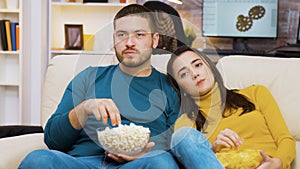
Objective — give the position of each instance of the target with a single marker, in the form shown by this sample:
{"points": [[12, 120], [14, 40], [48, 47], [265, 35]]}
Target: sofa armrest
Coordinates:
{"points": [[296, 162], [14, 149], [16, 130]]}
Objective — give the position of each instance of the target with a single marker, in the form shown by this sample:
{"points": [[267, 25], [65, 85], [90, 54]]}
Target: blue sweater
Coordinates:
{"points": [[147, 101]]}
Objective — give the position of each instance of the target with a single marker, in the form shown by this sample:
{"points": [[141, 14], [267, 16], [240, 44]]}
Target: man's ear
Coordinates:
{"points": [[114, 40], [155, 40]]}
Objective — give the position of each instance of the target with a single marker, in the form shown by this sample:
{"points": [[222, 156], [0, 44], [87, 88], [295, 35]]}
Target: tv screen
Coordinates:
{"points": [[240, 18]]}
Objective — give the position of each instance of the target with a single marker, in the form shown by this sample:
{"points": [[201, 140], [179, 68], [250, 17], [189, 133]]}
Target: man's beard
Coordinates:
{"points": [[137, 52]]}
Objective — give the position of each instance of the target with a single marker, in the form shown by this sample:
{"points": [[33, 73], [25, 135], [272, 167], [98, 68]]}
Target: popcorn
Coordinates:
{"points": [[124, 139]]}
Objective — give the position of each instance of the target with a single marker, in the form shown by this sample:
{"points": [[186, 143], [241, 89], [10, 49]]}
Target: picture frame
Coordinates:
{"points": [[74, 36]]}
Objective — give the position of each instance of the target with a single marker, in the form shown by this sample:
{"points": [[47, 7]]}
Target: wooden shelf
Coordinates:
{"points": [[9, 84], [9, 52], [58, 52], [9, 10], [88, 4], [96, 19], [11, 73]]}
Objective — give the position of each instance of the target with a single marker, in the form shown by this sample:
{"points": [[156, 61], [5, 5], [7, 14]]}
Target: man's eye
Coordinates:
{"points": [[120, 35], [140, 35]]}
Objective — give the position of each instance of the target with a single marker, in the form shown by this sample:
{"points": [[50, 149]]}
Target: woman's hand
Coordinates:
{"points": [[269, 163], [121, 158], [226, 138]]}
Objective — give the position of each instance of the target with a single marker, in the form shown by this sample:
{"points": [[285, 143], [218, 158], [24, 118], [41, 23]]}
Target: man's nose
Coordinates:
{"points": [[130, 41]]}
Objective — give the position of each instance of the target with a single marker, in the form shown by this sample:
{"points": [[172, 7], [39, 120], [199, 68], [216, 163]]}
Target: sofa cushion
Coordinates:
{"points": [[14, 149], [279, 75], [63, 68]]}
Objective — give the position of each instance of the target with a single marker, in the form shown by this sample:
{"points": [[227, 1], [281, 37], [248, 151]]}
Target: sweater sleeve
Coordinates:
{"points": [[174, 110], [184, 121], [59, 133], [286, 144]]}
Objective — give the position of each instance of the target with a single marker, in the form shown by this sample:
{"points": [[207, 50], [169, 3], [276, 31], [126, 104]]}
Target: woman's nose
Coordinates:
{"points": [[195, 75]]}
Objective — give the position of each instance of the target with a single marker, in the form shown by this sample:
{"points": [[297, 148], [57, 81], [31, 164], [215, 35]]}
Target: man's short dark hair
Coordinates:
{"points": [[137, 10]]}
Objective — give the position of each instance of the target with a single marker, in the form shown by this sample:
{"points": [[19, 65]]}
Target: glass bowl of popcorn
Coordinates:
{"points": [[125, 139]]}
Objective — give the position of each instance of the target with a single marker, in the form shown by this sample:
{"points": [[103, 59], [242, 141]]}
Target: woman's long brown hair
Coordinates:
{"points": [[230, 99]]}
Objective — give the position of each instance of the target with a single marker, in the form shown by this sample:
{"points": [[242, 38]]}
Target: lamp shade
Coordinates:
{"points": [[176, 1]]}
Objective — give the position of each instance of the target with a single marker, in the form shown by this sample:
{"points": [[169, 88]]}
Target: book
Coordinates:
{"points": [[17, 37], [8, 35], [13, 26], [3, 35]]}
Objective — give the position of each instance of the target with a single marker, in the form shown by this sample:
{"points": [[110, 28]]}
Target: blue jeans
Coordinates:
{"points": [[192, 150], [52, 159]]}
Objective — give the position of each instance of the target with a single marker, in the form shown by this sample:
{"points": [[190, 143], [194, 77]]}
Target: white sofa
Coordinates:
{"points": [[279, 75]]}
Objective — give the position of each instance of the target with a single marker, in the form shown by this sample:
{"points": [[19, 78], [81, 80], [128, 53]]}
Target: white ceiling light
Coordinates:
{"points": [[176, 1]]}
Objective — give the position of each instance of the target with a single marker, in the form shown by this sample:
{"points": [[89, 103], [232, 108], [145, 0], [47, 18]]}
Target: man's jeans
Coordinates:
{"points": [[52, 159], [193, 151]]}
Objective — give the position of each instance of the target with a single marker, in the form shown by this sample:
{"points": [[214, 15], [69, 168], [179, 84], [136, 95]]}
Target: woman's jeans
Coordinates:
{"points": [[52, 159], [193, 151]]}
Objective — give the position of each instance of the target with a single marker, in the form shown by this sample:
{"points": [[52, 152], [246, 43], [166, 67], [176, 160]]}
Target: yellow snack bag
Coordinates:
{"points": [[240, 159]]}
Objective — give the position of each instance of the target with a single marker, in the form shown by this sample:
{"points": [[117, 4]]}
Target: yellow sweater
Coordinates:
{"points": [[263, 128]]}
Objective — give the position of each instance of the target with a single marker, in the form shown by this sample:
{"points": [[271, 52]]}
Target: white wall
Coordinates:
{"points": [[35, 58]]}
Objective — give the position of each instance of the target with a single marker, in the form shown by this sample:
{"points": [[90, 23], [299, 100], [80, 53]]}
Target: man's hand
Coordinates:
{"points": [[269, 163], [226, 138], [121, 158], [102, 109]]}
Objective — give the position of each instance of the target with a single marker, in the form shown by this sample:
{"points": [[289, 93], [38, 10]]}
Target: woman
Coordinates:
{"points": [[230, 119]]}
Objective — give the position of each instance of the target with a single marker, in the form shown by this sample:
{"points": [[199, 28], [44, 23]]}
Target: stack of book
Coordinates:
{"points": [[9, 35]]}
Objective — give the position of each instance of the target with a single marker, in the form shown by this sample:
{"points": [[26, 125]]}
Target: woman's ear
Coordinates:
{"points": [[155, 40]]}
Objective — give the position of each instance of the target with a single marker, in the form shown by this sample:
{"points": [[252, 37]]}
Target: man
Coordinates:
{"points": [[132, 91]]}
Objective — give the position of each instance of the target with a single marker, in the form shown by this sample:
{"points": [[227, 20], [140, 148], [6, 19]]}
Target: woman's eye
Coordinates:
{"points": [[184, 74], [198, 64]]}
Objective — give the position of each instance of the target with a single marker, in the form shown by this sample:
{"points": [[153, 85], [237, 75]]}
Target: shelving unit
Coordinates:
{"points": [[11, 73], [96, 19]]}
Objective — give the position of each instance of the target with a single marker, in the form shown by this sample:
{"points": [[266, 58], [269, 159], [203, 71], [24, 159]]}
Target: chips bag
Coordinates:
{"points": [[240, 159]]}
